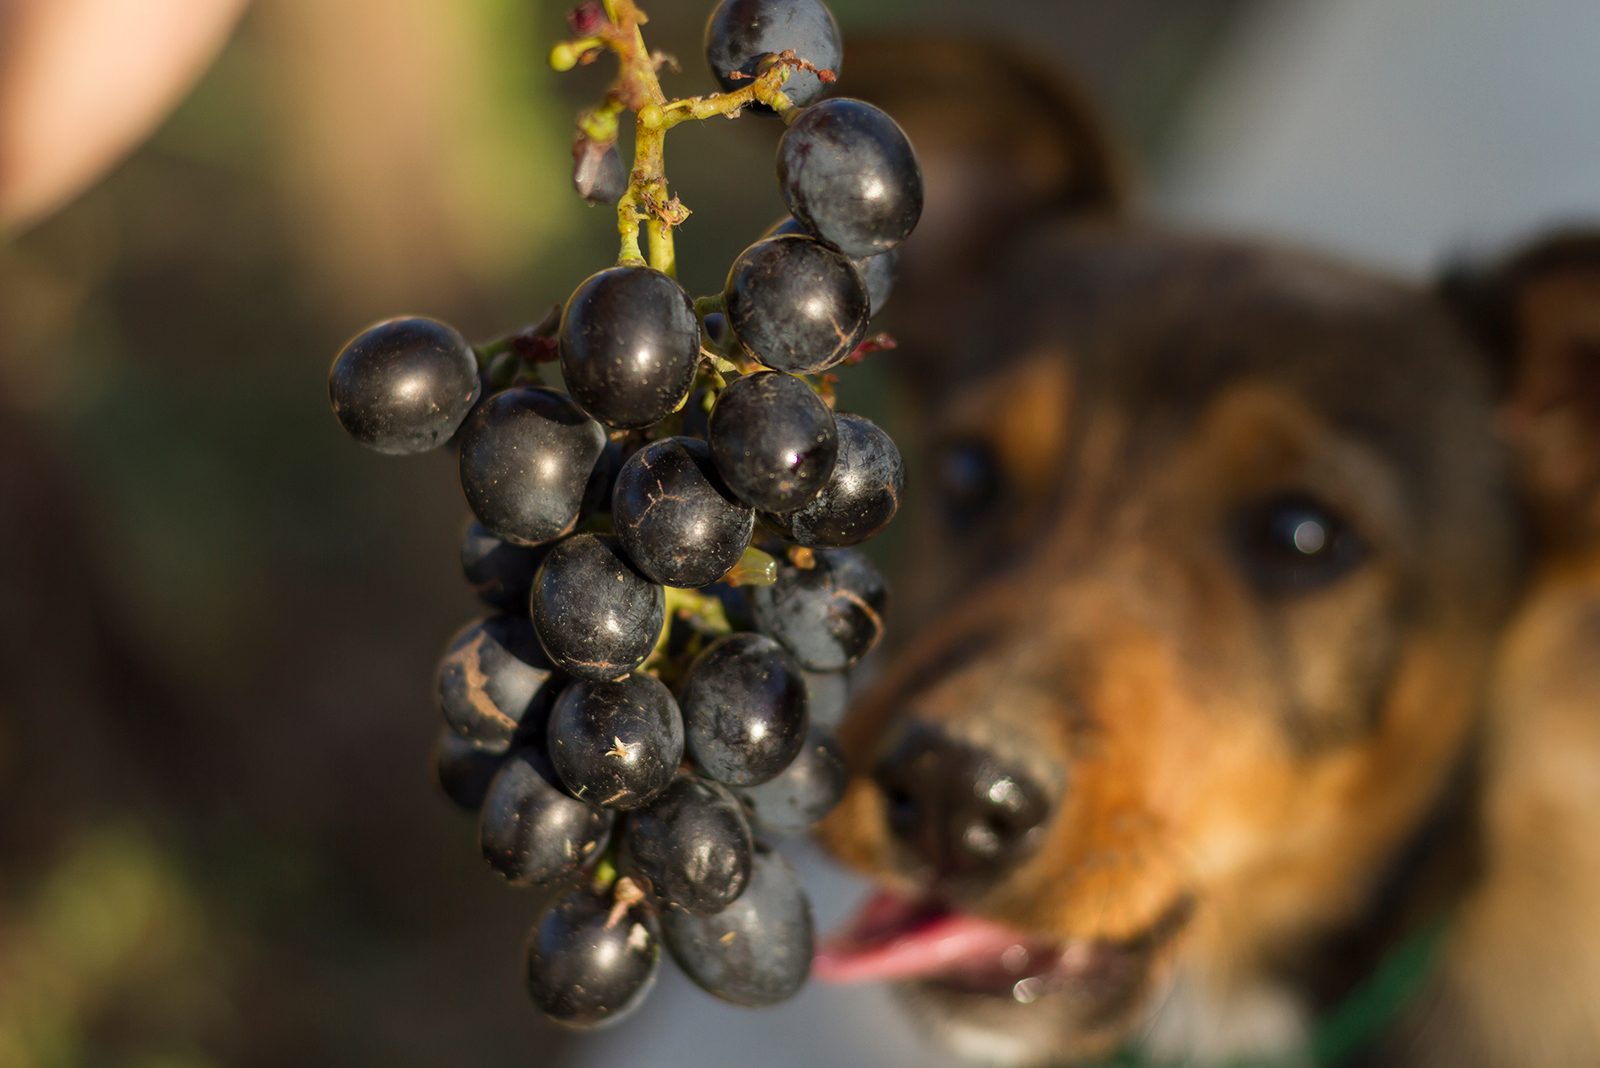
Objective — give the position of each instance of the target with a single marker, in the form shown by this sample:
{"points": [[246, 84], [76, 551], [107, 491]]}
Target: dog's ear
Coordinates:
{"points": [[1539, 312], [1005, 143]]}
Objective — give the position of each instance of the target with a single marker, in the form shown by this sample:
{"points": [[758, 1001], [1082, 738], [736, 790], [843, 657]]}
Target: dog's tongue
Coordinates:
{"points": [[894, 939]]}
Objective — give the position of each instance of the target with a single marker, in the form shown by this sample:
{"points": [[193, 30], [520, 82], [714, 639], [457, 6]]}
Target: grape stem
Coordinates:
{"points": [[524, 340], [755, 568], [638, 89], [708, 616]]}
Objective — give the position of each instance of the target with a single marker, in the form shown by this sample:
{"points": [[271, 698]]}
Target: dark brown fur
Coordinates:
{"points": [[1255, 792]]}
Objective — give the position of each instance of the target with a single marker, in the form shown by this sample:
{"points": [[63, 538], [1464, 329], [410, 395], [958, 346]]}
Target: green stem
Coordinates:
{"points": [[755, 568], [663, 257], [486, 351], [628, 230], [639, 89]]}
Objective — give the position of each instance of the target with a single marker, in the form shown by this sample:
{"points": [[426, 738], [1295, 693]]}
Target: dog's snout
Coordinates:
{"points": [[959, 809]]}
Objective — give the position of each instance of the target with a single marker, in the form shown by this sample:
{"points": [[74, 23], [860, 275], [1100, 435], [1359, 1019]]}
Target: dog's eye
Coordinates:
{"points": [[1292, 542], [969, 479]]}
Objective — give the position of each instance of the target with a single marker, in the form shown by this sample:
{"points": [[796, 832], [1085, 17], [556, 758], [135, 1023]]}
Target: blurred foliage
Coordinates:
{"points": [[112, 916], [258, 871]]}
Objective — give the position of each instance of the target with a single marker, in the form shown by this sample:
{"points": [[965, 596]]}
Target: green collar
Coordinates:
{"points": [[1362, 1017]]}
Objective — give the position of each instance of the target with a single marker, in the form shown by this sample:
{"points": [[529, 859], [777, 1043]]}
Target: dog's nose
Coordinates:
{"points": [[961, 810]]}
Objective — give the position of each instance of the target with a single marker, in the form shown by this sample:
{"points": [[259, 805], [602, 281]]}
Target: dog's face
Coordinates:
{"points": [[1215, 542], [1218, 540]]}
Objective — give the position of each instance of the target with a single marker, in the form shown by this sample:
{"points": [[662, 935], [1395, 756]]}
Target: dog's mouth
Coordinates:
{"points": [[893, 939]]}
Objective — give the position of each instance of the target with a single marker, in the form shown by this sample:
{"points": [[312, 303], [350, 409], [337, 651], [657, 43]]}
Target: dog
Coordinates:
{"points": [[1256, 717]]}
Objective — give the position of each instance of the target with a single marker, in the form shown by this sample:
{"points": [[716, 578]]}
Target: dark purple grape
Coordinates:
{"points": [[851, 177], [675, 518], [630, 343], [500, 572], [878, 272], [741, 33], [744, 709], [462, 770], [807, 790], [616, 744], [526, 456], [861, 496], [794, 304], [595, 614], [598, 173], [530, 830], [404, 385], [827, 695], [590, 963], [693, 843], [757, 951], [828, 615], [773, 440], [492, 678]]}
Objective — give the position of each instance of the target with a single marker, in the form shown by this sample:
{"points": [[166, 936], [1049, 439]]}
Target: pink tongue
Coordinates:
{"points": [[894, 939]]}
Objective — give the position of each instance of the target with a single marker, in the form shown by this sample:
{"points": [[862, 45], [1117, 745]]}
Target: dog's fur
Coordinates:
{"points": [[1256, 790]]}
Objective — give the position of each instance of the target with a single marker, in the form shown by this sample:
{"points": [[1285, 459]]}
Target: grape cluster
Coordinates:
{"points": [[666, 543]]}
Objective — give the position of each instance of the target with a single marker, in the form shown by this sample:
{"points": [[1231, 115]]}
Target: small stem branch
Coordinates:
{"points": [[663, 257], [628, 230], [638, 89], [568, 54], [755, 568], [600, 123], [486, 351], [626, 17], [766, 89]]}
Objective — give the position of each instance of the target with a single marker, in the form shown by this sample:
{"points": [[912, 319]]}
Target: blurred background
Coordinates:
{"points": [[219, 841]]}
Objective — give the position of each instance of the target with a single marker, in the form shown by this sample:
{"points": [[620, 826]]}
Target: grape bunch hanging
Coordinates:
{"points": [[668, 541]]}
